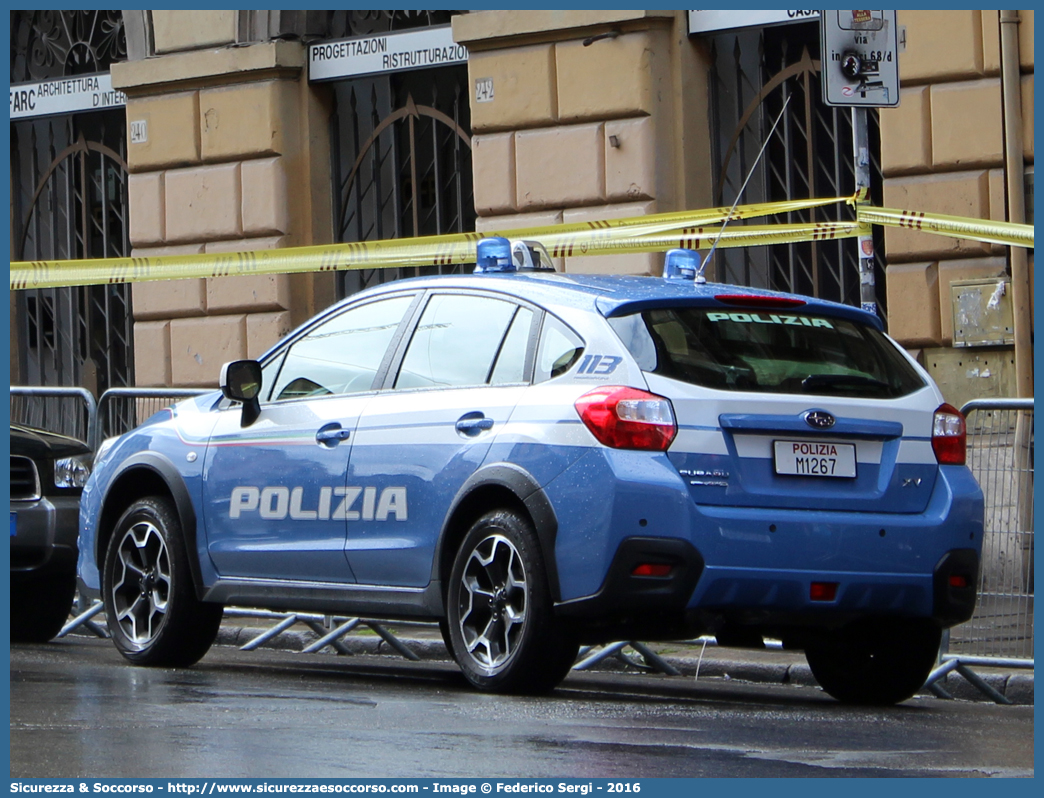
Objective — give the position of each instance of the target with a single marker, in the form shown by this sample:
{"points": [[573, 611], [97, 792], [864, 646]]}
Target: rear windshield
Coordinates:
{"points": [[774, 352]]}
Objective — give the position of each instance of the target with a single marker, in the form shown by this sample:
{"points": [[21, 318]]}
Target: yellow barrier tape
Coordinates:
{"points": [[676, 220], [1007, 233], [364, 255], [703, 237], [691, 229], [401, 253], [615, 236]]}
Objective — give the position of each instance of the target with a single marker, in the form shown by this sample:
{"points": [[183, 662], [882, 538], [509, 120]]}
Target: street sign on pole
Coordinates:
{"points": [[860, 57]]}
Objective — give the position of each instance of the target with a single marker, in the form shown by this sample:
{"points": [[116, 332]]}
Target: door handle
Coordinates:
{"points": [[332, 434], [473, 423]]}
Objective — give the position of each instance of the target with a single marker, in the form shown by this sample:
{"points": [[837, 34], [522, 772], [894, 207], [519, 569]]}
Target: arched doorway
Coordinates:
{"points": [[402, 148], [69, 200], [810, 155]]}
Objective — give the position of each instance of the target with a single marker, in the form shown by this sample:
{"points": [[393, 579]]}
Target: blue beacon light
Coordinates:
{"points": [[681, 264], [493, 255]]}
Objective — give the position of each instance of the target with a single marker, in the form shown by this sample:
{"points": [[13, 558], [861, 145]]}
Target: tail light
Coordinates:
{"points": [[627, 418], [949, 436]]}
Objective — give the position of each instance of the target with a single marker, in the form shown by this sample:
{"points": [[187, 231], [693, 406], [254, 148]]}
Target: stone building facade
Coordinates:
{"points": [[593, 115], [233, 156], [943, 151]]}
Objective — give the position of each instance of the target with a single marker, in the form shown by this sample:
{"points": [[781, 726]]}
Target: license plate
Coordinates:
{"points": [[815, 458], [14, 523]]}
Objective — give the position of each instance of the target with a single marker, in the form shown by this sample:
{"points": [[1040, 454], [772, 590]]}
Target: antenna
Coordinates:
{"points": [[699, 272]]}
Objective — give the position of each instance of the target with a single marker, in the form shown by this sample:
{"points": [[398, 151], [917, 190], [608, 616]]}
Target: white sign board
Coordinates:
{"points": [[65, 96], [484, 90], [384, 52], [860, 58], [713, 21], [139, 131]]}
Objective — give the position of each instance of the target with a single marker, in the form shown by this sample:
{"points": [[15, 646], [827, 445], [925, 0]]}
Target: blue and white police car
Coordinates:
{"points": [[537, 461]]}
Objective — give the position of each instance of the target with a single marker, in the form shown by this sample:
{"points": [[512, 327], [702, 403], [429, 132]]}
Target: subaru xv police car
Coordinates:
{"points": [[537, 461]]}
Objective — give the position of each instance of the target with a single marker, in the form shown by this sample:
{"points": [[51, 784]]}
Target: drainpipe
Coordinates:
{"points": [[1014, 172], [1014, 169]]}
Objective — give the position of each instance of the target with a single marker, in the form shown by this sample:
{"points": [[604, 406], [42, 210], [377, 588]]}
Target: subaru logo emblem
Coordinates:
{"points": [[819, 419]]}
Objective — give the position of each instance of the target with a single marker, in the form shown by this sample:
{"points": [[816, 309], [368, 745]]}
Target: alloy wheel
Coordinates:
{"points": [[142, 585], [493, 601]]}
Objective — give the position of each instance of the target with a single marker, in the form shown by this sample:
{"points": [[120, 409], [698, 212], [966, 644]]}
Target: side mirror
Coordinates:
{"points": [[241, 382]]}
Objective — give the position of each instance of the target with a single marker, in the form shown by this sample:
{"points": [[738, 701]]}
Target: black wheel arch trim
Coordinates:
{"points": [[168, 472], [529, 493]]}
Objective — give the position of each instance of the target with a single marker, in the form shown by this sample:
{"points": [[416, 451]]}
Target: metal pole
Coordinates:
{"points": [[861, 154], [275, 631], [594, 659], [393, 641], [336, 634], [1014, 168], [82, 618], [654, 659]]}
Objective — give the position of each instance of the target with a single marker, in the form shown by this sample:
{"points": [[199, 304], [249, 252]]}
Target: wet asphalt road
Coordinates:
{"points": [[78, 710]]}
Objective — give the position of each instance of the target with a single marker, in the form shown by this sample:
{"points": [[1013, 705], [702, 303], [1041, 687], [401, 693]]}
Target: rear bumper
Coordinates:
{"points": [[757, 565], [783, 598], [762, 563], [774, 601]]}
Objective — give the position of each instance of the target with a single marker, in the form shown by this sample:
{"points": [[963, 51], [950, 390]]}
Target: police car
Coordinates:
{"points": [[538, 461]]}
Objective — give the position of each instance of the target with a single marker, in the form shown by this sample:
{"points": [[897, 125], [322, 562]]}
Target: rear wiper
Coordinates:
{"points": [[815, 382]]}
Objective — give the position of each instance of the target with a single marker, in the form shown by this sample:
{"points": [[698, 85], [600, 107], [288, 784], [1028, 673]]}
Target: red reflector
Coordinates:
{"points": [[652, 569], [958, 580], [758, 301], [823, 591]]}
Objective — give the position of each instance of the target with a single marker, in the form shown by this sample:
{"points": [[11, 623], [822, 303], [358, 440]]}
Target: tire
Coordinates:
{"points": [[153, 614], [876, 663], [40, 606], [502, 631], [445, 632]]}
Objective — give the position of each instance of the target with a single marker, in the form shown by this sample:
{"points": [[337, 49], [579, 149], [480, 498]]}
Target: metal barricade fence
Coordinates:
{"points": [[1000, 454], [74, 412], [65, 410], [1000, 633], [122, 409]]}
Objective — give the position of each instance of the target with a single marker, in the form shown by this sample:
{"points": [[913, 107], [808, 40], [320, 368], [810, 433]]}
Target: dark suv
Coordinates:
{"points": [[48, 472]]}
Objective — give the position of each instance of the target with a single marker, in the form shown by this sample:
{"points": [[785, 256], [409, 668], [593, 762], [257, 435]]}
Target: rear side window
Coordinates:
{"points": [[559, 349], [773, 352], [455, 342]]}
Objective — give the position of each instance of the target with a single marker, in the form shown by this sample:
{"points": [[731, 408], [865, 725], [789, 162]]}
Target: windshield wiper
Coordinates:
{"points": [[815, 382]]}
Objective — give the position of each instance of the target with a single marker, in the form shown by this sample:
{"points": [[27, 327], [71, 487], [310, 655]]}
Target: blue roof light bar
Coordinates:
{"points": [[681, 264], [493, 255]]}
